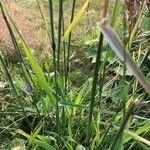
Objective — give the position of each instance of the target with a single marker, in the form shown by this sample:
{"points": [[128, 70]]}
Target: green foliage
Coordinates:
{"points": [[82, 96]]}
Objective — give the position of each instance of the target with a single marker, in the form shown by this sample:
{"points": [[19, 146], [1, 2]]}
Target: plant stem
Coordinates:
{"points": [[95, 77], [110, 125], [19, 55], [69, 44], [54, 60], [59, 34], [121, 129], [14, 89]]}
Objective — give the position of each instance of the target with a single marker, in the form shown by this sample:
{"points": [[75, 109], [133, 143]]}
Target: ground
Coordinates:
{"points": [[29, 23], [28, 18]]}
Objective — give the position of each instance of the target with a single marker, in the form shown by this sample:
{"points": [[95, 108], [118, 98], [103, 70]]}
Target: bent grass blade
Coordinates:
{"points": [[117, 46], [33, 61], [40, 143], [76, 19]]}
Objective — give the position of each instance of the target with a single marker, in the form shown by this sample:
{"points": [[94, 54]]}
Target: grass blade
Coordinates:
{"points": [[116, 44], [76, 19], [69, 44], [38, 71], [115, 13], [36, 141], [136, 26]]}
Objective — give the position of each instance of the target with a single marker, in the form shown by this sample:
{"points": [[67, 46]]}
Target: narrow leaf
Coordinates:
{"points": [[76, 19], [136, 26], [38, 71], [117, 46], [35, 134], [116, 12]]}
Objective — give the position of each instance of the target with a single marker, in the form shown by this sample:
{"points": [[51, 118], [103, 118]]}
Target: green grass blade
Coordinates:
{"points": [[35, 66], [40, 143], [137, 137], [79, 97], [116, 44], [76, 19], [136, 26], [38, 71], [43, 17], [139, 131], [34, 135], [69, 44], [115, 12]]}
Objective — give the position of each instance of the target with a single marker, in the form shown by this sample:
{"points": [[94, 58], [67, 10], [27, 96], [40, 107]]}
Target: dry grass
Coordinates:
{"points": [[29, 23]]}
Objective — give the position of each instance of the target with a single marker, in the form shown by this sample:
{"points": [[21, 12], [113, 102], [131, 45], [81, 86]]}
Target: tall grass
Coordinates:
{"points": [[101, 113], [69, 44]]}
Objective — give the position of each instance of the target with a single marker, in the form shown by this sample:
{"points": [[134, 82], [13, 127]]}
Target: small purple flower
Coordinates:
{"points": [[28, 89]]}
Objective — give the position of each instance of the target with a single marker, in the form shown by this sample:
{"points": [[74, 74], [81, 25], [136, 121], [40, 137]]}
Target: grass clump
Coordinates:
{"points": [[81, 96]]}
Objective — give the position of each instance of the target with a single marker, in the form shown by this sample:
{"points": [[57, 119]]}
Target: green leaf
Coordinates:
{"points": [[38, 71], [36, 141], [76, 19], [136, 26], [116, 13], [42, 82], [80, 96], [137, 137], [31, 140], [145, 128], [117, 46]]}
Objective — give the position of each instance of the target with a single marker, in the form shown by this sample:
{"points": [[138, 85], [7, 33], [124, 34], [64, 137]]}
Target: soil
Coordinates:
{"points": [[28, 24]]}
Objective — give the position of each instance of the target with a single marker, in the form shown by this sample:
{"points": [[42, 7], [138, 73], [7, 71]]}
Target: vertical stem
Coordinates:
{"points": [[63, 114], [95, 77], [64, 54], [121, 129], [54, 60], [14, 89], [102, 78], [24, 69], [102, 75], [69, 43], [123, 83], [59, 34], [52, 34]]}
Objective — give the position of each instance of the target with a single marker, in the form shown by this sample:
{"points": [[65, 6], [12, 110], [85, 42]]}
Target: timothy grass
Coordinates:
{"points": [[44, 105]]}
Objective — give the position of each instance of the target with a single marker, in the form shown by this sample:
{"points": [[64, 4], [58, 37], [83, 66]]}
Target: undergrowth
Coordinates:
{"points": [[91, 91]]}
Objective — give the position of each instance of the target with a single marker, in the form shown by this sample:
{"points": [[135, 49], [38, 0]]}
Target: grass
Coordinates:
{"points": [[81, 95]]}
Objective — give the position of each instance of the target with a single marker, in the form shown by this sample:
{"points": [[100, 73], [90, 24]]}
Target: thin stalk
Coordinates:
{"points": [[63, 114], [13, 87], [59, 33], [43, 17], [110, 125], [26, 71], [19, 55], [122, 127], [52, 34], [102, 75], [95, 77], [101, 83], [69, 44], [54, 59], [64, 53], [93, 93], [123, 80]]}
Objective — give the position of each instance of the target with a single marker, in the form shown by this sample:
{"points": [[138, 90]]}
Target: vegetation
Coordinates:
{"points": [[85, 86]]}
